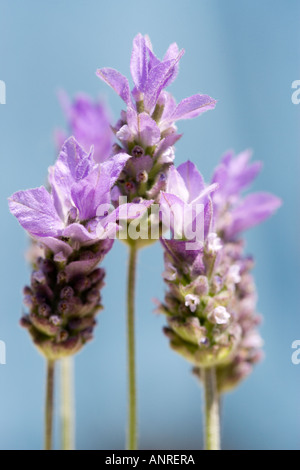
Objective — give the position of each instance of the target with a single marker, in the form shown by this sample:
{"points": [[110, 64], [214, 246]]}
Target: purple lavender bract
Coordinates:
{"points": [[146, 130]]}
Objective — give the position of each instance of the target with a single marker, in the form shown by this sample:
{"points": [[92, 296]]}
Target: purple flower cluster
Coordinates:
{"points": [[146, 129], [74, 236], [211, 299]]}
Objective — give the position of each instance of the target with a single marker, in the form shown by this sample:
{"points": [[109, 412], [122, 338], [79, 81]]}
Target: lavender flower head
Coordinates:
{"points": [[211, 299], [63, 297], [201, 324], [89, 122], [146, 130]]}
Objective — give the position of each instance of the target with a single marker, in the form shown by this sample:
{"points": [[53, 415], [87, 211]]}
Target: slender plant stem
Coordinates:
{"points": [[49, 404], [212, 418], [132, 402], [67, 404]]}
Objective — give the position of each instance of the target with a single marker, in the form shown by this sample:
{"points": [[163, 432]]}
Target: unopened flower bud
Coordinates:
{"points": [[38, 277], [93, 296], [142, 177], [82, 283], [61, 277], [138, 151], [130, 187], [67, 293], [44, 310], [64, 307]]}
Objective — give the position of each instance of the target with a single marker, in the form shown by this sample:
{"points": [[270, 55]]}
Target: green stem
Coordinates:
{"points": [[49, 404], [67, 403], [132, 405], [212, 418]]}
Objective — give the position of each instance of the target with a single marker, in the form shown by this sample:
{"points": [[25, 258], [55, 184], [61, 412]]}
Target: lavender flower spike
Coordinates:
{"points": [[232, 215], [211, 299], [147, 133], [63, 297], [146, 130], [201, 323]]}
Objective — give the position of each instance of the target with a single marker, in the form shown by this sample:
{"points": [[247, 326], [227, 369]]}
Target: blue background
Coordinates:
{"points": [[246, 55]]}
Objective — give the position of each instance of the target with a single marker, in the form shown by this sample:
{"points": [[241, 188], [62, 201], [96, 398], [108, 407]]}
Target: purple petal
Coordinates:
{"points": [[72, 165], [193, 179], [172, 210], [89, 193], [208, 217], [193, 106], [148, 132], [242, 171], [56, 245], [254, 209], [176, 185], [131, 116], [153, 60], [75, 159], [79, 233], [158, 77], [205, 193], [117, 82], [169, 108], [173, 53], [166, 143], [178, 250], [138, 63], [35, 211], [114, 166], [234, 174], [126, 211], [139, 164], [142, 128]]}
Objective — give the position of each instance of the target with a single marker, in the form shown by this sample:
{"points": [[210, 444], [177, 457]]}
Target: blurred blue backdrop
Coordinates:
{"points": [[246, 55]]}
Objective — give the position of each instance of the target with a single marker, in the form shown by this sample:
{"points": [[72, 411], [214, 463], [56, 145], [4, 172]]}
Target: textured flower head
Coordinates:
{"points": [[234, 213], [73, 226], [89, 122], [69, 214], [146, 129]]}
